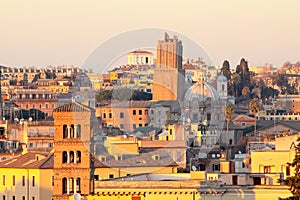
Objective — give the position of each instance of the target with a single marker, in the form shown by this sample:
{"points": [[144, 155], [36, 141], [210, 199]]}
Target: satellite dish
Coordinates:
{"points": [[240, 152], [30, 119], [77, 196], [194, 168]]}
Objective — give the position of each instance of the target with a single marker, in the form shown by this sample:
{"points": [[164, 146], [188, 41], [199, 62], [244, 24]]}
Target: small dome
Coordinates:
{"points": [[221, 78], [195, 92]]}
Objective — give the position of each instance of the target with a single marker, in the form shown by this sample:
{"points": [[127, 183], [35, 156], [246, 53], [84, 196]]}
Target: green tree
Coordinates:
{"points": [[294, 181], [104, 95], [245, 77], [254, 109], [225, 70]]}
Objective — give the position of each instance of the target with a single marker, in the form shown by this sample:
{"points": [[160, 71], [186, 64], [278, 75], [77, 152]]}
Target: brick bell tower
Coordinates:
{"points": [[73, 138]]}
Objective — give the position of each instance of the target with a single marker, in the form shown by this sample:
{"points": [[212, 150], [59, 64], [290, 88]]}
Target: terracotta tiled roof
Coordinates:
{"points": [[163, 144], [30, 160], [73, 107], [141, 160], [243, 118]]}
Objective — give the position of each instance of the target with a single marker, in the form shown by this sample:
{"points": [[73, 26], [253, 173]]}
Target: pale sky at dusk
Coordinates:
{"points": [[56, 32]]}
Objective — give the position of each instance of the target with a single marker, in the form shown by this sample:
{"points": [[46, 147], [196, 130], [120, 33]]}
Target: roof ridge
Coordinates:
{"points": [[73, 107], [47, 159]]}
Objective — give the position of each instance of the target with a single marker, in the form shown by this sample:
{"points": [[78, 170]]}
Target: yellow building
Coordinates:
{"points": [[272, 161], [113, 76], [121, 144], [183, 188], [28, 176]]}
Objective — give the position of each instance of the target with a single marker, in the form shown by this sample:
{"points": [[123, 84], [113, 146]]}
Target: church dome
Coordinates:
{"points": [[221, 78], [195, 92]]}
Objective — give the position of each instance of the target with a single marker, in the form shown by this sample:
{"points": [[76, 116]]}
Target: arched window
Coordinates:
{"points": [[72, 157], [72, 131], [64, 157], [78, 185], [65, 131], [78, 157], [64, 186], [78, 131]]}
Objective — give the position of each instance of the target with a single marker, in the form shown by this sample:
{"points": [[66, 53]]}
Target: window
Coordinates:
{"points": [[23, 180], [104, 115], [171, 131], [40, 105], [52, 180], [72, 131], [33, 181], [14, 180], [140, 112], [134, 126], [140, 125], [96, 177], [78, 157], [121, 115], [216, 167], [26, 106], [288, 170], [110, 115], [78, 131], [134, 112], [64, 157], [65, 131], [202, 167], [230, 141], [111, 175], [243, 165], [47, 106], [267, 169], [53, 106], [3, 179], [64, 185], [121, 126], [223, 87], [71, 156]]}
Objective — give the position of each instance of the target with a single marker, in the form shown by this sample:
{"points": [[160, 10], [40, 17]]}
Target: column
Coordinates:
{"points": [[75, 133], [75, 191], [68, 186], [75, 157], [68, 155], [69, 132]]}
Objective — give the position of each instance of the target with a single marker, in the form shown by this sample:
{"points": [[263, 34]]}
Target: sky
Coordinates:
{"points": [[41, 33]]}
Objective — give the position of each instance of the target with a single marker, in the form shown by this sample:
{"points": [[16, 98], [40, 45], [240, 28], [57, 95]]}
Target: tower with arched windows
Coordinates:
{"points": [[73, 168]]}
